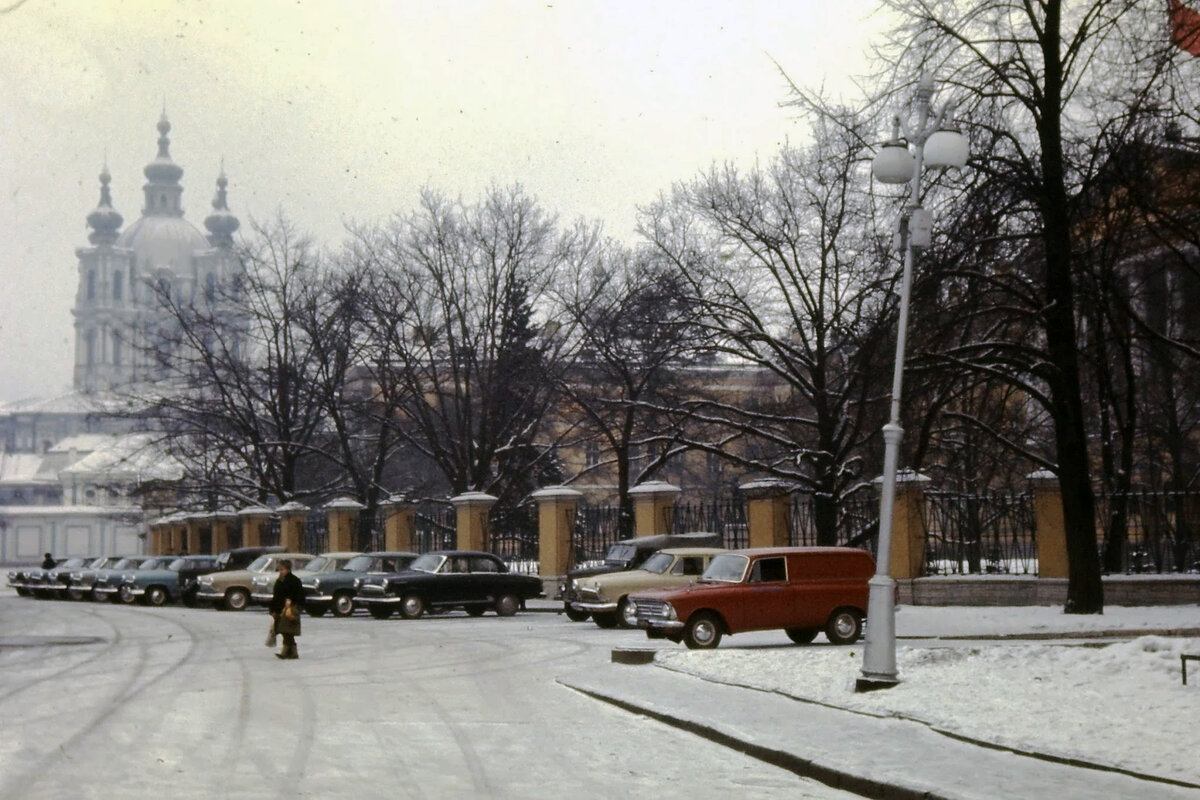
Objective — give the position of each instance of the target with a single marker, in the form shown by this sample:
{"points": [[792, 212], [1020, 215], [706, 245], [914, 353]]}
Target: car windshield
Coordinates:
{"points": [[658, 563], [726, 568], [259, 564], [125, 563], [358, 564], [95, 563], [428, 562], [317, 564], [177, 564], [75, 562], [155, 563], [621, 553]]}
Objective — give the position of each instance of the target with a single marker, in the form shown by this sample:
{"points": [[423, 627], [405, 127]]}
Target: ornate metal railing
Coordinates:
{"points": [[856, 521], [316, 532], [1162, 530], [726, 517], [435, 526], [513, 535], [979, 534]]}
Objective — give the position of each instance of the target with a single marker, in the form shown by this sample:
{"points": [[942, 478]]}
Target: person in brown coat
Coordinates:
{"points": [[285, 607]]}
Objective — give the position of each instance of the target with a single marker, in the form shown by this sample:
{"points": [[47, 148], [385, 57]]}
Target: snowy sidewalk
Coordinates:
{"points": [[872, 756]]}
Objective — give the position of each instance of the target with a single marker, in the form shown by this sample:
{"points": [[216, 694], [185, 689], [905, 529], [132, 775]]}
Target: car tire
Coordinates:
{"points": [[236, 600], [125, 593], [844, 626], [343, 604], [412, 606], [703, 631], [573, 615], [802, 635], [475, 610], [507, 605], [627, 613], [606, 619], [95, 595], [380, 612], [155, 596]]}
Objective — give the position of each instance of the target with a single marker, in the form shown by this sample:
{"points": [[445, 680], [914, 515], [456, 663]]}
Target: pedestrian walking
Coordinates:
{"points": [[285, 608], [48, 562]]}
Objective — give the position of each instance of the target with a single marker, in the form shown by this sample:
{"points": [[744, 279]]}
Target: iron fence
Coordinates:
{"points": [[979, 534], [1162, 530], [726, 517], [234, 532], [271, 534], [596, 527], [368, 531], [315, 538], [435, 526], [856, 523], [513, 536]]}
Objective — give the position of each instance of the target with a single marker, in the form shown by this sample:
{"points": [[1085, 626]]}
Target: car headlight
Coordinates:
{"points": [[75, 576], [127, 578], [316, 584], [671, 611], [358, 582], [205, 580]]}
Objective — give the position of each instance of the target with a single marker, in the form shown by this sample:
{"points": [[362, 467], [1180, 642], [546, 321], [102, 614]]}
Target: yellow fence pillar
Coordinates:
{"points": [[195, 525], [399, 524], [254, 525], [291, 526], [471, 520], [1048, 525], [768, 512], [342, 514], [653, 507], [220, 529], [908, 526], [556, 527]]}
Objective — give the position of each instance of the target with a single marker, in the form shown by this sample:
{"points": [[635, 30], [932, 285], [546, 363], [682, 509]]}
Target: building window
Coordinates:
{"points": [[91, 284], [116, 292], [592, 454]]}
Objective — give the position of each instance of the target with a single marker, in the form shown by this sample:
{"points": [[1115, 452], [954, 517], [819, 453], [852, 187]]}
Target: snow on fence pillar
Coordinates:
{"points": [[399, 523], [1049, 530], [653, 507], [556, 527], [221, 520], [254, 525], [768, 512], [291, 525], [908, 525], [471, 519], [342, 513]]}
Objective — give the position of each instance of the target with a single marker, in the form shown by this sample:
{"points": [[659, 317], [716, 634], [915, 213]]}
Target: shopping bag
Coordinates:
{"points": [[271, 637]]}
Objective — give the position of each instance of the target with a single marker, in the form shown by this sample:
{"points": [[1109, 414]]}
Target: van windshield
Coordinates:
{"points": [[726, 568]]}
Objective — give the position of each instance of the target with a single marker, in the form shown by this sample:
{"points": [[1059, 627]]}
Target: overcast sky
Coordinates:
{"points": [[335, 111]]}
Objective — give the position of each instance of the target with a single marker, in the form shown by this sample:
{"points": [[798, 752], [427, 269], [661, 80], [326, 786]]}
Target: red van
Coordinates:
{"points": [[800, 590]]}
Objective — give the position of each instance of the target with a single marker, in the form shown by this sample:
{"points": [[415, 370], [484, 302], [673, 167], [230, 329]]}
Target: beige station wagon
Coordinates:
{"points": [[605, 596], [231, 589]]}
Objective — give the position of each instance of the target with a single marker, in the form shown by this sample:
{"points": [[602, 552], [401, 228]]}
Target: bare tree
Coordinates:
{"points": [[784, 267]]}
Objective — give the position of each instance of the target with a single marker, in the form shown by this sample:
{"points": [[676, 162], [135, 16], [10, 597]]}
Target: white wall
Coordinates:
{"points": [[26, 532]]}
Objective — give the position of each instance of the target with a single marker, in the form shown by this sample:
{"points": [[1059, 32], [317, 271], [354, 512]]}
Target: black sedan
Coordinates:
{"points": [[446, 579]]}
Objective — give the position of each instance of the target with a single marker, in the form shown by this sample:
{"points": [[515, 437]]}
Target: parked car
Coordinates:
{"points": [[230, 589], [44, 583], [106, 584], [241, 557], [335, 591], [627, 554], [81, 583], [606, 596], [801, 590], [446, 579], [162, 580], [189, 574], [263, 588], [19, 578]]}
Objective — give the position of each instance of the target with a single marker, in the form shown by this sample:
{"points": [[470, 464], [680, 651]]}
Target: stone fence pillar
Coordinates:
{"points": [[653, 507], [158, 546], [908, 525], [195, 525], [176, 533], [254, 525], [556, 527], [221, 520], [1049, 528], [399, 524], [471, 520], [768, 512], [342, 513], [291, 526]]}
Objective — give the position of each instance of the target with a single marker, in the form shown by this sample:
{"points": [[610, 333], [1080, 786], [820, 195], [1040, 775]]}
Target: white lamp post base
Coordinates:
{"points": [[879, 655]]}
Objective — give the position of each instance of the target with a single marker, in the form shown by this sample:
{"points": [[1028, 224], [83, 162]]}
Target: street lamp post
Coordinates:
{"points": [[932, 146]]}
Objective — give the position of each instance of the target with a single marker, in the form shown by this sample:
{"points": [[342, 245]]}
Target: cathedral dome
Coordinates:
{"points": [[159, 242]]}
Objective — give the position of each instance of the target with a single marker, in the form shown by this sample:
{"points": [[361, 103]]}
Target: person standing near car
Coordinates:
{"points": [[48, 562], [285, 608]]}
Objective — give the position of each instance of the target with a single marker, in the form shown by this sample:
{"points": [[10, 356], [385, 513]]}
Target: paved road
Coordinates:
{"points": [[132, 702]]}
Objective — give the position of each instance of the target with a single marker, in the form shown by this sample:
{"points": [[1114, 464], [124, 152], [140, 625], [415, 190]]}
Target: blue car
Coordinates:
{"points": [[166, 579]]}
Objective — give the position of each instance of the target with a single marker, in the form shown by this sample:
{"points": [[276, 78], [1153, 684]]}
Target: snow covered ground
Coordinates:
{"points": [[1118, 703]]}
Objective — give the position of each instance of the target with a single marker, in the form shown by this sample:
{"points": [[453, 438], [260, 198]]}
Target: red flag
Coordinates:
{"points": [[1185, 27]]}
